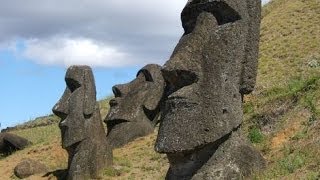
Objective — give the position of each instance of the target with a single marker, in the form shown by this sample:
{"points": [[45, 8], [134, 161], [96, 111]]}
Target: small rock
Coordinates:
{"points": [[29, 167]]}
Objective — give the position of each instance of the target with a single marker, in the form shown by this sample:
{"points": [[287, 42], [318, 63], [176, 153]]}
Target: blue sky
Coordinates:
{"points": [[30, 90], [40, 39]]}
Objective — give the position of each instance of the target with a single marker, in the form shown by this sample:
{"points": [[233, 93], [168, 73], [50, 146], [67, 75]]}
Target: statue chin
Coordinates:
{"points": [[126, 131]]}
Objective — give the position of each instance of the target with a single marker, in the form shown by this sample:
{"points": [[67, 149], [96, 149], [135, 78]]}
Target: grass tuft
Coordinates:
{"points": [[255, 135]]}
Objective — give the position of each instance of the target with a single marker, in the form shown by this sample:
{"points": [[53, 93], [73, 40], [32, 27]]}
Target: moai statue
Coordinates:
{"points": [[11, 142], [134, 110], [82, 131], [213, 65]]}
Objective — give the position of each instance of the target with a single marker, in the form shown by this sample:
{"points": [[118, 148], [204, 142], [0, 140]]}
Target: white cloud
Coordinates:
{"points": [[66, 51], [100, 33]]}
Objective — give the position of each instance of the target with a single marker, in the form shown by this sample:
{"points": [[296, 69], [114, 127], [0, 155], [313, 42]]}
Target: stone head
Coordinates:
{"points": [[246, 14], [77, 105], [135, 108], [213, 64]]}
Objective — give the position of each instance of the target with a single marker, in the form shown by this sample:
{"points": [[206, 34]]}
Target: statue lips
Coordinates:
{"points": [[113, 119], [113, 124], [67, 131]]}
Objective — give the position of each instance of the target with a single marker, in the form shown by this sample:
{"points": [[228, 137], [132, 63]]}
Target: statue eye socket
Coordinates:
{"points": [[146, 75], [116, 91], [220, 10], [72, 84], [178, 79]]}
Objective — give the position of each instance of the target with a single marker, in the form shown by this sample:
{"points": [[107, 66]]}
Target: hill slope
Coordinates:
{"points": [[290, 41], [281, 116]]}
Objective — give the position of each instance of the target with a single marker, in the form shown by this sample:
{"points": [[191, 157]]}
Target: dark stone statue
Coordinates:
{"points": [[11, 142], [82, 131], [134, 110], [211, 68]]}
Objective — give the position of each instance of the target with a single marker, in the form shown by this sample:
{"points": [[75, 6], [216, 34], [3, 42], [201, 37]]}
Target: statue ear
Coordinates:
{"points": [[153, 74], [89, 92], [250, 61]]}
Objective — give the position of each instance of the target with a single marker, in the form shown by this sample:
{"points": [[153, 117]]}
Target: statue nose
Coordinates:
{"points": [[61, 108], [59, 111]]}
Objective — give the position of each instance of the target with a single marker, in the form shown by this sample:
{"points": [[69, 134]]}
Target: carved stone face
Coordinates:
{"points": [[133, 112], [76, 105], [204, 75]]}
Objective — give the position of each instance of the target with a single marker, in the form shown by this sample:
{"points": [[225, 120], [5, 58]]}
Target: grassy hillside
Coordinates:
{"points": [[290, 45], [281, 116]]}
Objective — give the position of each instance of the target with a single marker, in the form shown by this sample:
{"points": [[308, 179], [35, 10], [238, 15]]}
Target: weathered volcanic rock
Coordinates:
{"points": [[29, 167], [204, 75], [134, 110], [11, 142], [81, 126], [211, 68], [231, 157]]}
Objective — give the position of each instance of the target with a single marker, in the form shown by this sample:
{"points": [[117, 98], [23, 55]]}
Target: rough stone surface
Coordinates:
{"points": [[232, 157], [11, 142], [29, 167], [211, 68], [134, 110], [203, 75], [81, 126]]}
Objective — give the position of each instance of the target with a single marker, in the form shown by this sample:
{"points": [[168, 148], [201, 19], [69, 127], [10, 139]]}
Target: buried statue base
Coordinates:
{"points": [[231, 157]]}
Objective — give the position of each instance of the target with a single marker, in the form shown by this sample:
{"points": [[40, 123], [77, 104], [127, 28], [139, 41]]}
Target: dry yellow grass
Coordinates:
{"points": [[136, 160]]}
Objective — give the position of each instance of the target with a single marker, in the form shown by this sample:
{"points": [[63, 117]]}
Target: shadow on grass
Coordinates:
{"points": [[60, 174]]}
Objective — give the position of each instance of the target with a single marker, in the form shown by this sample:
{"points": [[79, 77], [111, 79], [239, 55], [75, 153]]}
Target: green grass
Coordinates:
{"points": [[297, 95], [255, 135], [300, 135], [273, 103], [122, 161], [40, 135], [313, 175], [293, 160], [289, 40], [104, 106], [291, 163], [112, 172], [284, 167], [294, 89], [287, 90]]}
